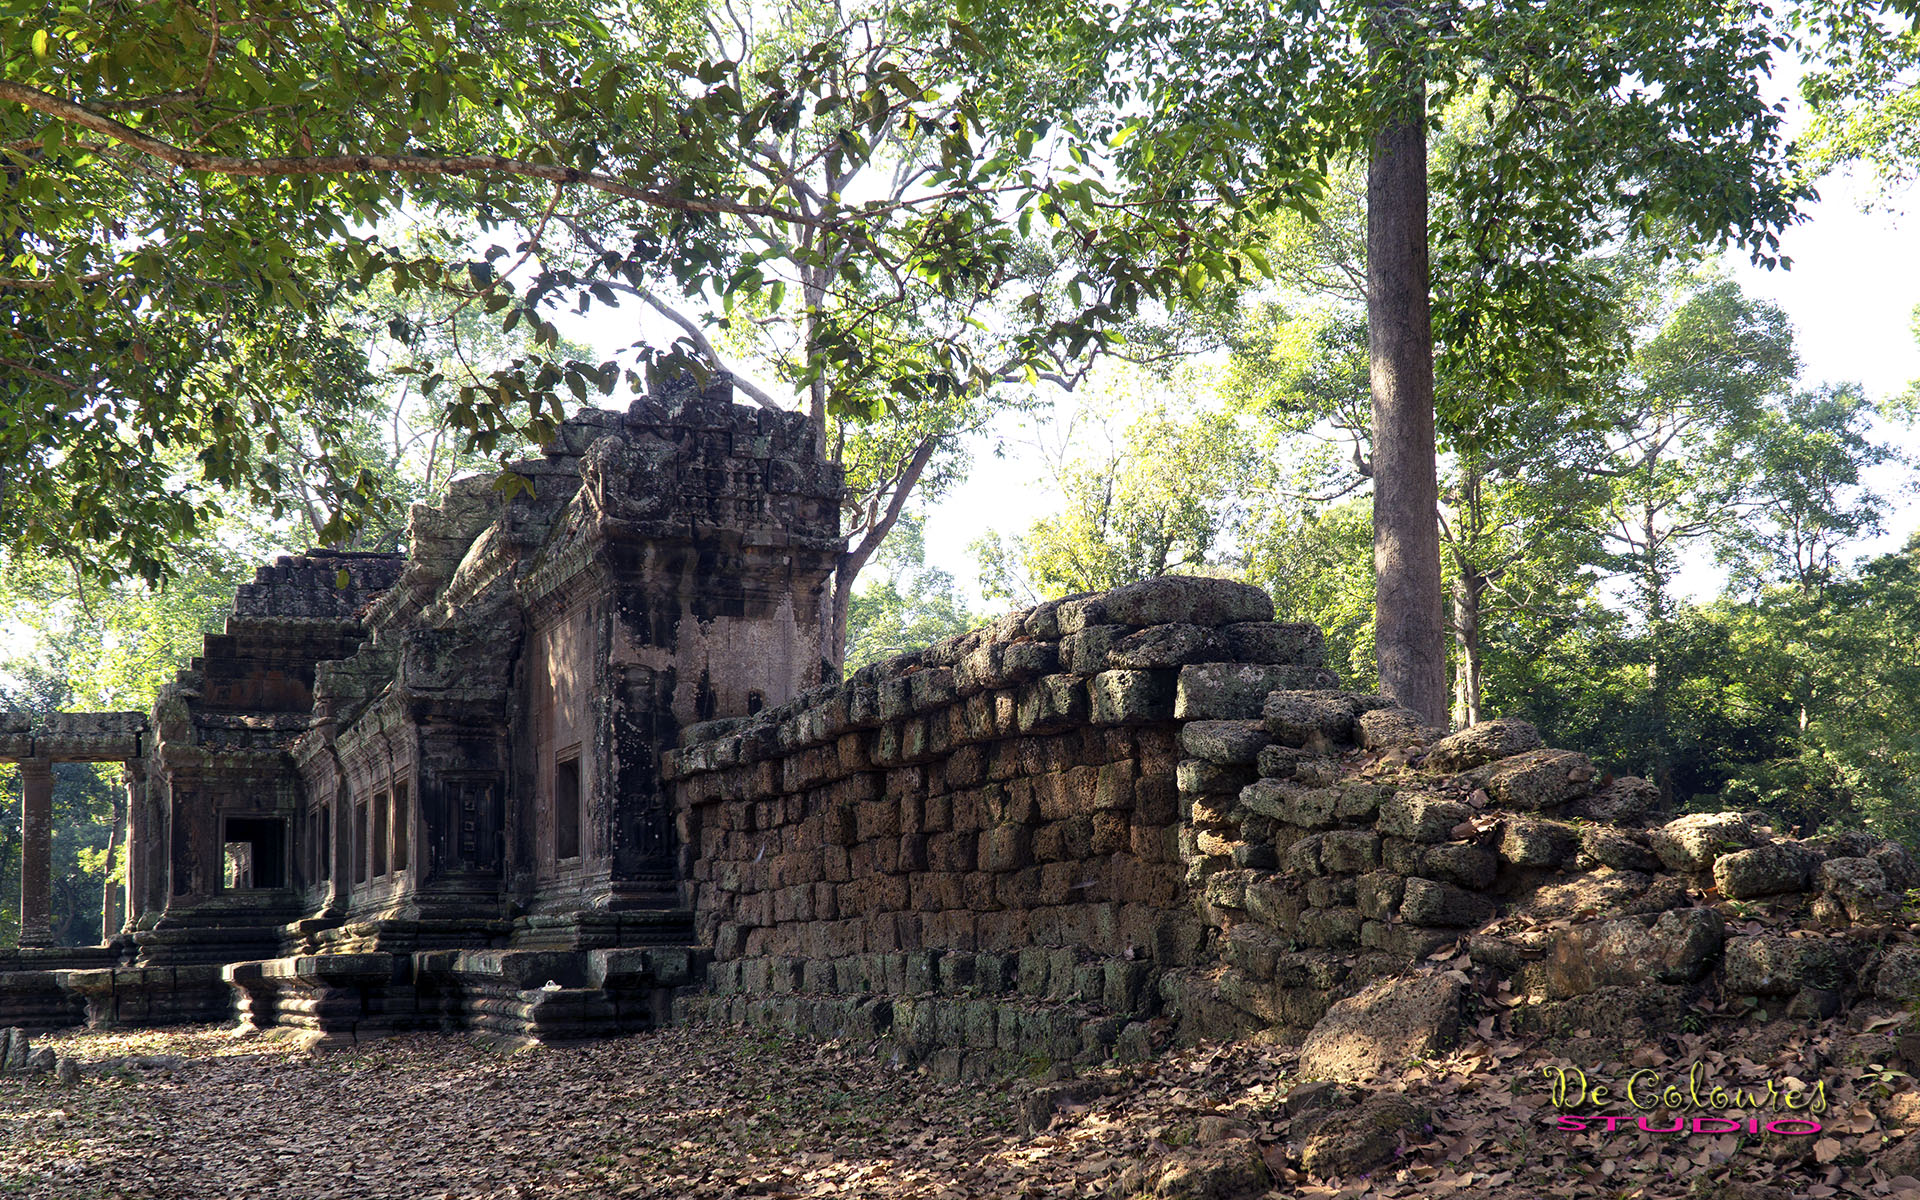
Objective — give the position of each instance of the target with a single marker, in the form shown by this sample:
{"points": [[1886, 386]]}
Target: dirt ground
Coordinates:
{"points": [[195, 1113]]}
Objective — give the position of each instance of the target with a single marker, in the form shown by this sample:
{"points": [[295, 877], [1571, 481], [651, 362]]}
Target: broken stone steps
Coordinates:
{"points": [[603, 930], [525, 995]]}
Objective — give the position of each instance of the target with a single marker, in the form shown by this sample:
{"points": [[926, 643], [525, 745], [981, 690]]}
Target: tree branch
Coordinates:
{"points": [[903, 486], [348, 164]]}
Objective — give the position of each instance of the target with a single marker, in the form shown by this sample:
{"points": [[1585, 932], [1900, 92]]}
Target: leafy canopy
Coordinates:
{"points": [[186, 191]]}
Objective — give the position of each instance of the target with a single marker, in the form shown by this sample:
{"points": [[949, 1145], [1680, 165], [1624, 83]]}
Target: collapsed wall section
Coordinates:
{"points": [[1150, 814], [1355, 866], [977, 849]]}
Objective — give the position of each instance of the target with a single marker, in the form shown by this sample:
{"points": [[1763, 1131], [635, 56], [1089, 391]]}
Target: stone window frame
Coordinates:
{"points": [[282, 870], [571, 755], [379, 833], [322, 843], [399, 791]]}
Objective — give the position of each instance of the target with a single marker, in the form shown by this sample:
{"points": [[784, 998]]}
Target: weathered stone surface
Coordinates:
{"points": [[1469, 865], [1420, 817], [1897, 865], [1071, 614], [1224, 741], [1330, 891], [1631, 1015], [1433, 904], [1312, 719], [1281, 762], [1676, 947], [1897, 978], [1333, 928], [1618, 849], [1540, 779], [1307, 808], [1224, 1171], [1858, 885], [1300, 644], [1625, 800], [1275, 902], [1477, 745], [1198, 776], [1350, 851], [1238, 691], [1303, 856], [1001, 665], [1357, 1140], [1401, 943], [1360, 801], [1591, 894], [1775, 965], [1050, 703], [15, 1046], [1166, 646], [1087, 651], [1534, 843], [1509, 956], [1764, 870], [1131, 697], [1377, 894], [1384, 1026], [1693, 842], [1186, 599], [1386, 728]]}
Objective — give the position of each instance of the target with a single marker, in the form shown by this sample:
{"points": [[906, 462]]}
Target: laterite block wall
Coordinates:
{"points": [[979, 850]]}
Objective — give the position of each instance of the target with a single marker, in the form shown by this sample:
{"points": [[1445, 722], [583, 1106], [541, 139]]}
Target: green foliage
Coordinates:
{"points": [[1835, 667], [1862, 86], [187, 191], [1637, 122], [1167, 499], [1317, 563], [1794, 701], [1803, 459], [909, 606]]}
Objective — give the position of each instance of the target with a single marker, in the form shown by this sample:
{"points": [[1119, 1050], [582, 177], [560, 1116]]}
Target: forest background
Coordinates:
{"points": [[1679, 543]]}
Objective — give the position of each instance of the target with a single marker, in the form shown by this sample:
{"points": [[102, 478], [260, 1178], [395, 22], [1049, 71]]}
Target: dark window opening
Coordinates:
{"points": [[324, 846], [566, 808], [402, 819], [755, 702], [380, 834], [359, 843], [256, 853]]}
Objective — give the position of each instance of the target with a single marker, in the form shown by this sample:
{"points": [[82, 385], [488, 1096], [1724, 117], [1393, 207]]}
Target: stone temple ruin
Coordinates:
{"points": [[573, 767]]}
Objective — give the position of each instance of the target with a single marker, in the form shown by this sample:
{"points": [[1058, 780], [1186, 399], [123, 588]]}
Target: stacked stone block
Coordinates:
{"points": [[1337, 840], [978, 849]]}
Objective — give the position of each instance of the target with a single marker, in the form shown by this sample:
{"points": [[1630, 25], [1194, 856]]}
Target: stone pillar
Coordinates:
{"points": [[36, 853], [120, 907]]}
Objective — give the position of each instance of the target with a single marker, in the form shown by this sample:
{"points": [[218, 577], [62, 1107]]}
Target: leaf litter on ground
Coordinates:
{"points": [[731, 1114]]}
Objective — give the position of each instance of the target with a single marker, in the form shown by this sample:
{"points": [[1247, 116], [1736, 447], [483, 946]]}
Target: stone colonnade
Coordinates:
{"points": [[66, 737]]}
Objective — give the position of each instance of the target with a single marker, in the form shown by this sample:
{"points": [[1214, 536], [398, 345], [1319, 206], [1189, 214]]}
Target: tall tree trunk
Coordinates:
{"points": [[1408, 629], [851, 563], [1470, 663], [1653, 588]]}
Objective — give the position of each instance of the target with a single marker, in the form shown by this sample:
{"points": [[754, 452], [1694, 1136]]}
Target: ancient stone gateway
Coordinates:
{"points": [[573, 767]]}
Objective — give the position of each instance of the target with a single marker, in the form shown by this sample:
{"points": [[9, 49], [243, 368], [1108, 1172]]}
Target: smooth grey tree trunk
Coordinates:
{"points": [[1408, 627]]}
